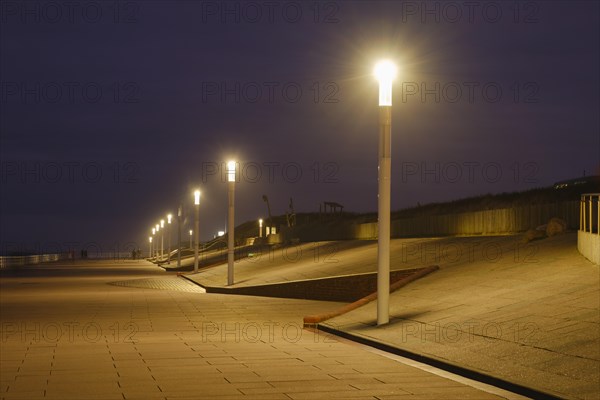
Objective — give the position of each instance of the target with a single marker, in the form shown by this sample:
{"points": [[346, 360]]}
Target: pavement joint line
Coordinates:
{"points": [[475, 379]]}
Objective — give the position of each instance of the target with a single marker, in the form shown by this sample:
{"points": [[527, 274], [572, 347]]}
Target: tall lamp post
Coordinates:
{"points": [[191, 233], [230, 220], [179, 214], [162, 238], [169, 218], [385, 72], [197, 229], [150, 246], [260, 221], [156, 245], [153, 233]]}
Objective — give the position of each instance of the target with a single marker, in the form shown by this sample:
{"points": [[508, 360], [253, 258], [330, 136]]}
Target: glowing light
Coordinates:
{"points": [[169, 217], [260, 221], [385, 72], [197, 197], [153, 231], [220, 233], [157, 228], [150, 239], [191, 232], [231, 171], [162, 223]]}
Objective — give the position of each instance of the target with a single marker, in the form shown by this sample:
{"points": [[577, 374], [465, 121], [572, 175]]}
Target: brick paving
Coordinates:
{"points": [[166, 283], [67, 333], [533, 321], [524, 313]]}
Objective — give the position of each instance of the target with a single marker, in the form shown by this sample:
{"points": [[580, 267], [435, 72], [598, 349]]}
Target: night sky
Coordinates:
{"points": [[112, 113]]}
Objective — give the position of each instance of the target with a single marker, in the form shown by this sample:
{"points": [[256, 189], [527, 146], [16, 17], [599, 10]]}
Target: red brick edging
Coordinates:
{"points": [[311, 320]]}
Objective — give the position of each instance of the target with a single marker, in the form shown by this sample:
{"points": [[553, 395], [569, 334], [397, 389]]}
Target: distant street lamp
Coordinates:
{"points": [[230, 221], [191, 233], [179, 214], [156, 246], [197, 204], [385, 72], [150, 246], [153, 233], [162, 238], [169, 218], [260, 221]]}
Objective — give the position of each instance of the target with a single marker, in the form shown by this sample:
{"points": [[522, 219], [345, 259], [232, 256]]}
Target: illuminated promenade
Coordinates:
{"points": [[106, 330], [527, 314]]}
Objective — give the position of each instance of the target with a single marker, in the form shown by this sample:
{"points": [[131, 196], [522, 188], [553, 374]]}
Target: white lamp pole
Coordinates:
{"points": [[150, 245], [197, 204], [260, 221], [169, 218], [385, 72], [179, 213], [191, 233], [153, 233], [156, 246], [162, 238], [230, 221]]}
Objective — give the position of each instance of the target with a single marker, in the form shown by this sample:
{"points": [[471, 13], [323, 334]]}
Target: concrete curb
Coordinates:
{"points": [[443, 365], [182, 275]]}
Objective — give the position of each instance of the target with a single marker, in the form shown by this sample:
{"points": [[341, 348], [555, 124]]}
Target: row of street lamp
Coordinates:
{"points": [[385, 72], [160, 227]]}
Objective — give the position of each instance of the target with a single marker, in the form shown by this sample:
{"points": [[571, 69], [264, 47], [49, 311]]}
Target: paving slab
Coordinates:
{"points": [[533, 321], [70, 332]]}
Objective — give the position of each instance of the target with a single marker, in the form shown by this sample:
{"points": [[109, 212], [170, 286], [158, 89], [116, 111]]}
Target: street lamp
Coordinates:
{"points": [[150, 246], [156, 250], [230, 219], [197, 204], [260, 227], [179, 214], [385, 72], [191, 233], [162, 237], [169, 217], [153, 233]]}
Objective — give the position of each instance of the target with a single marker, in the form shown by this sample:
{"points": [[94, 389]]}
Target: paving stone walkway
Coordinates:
{"points": [[166, 283], [524, 313], [69, 334]]}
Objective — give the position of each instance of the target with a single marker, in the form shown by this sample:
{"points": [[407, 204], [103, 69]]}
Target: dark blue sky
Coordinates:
{"points": [[112, 115]]}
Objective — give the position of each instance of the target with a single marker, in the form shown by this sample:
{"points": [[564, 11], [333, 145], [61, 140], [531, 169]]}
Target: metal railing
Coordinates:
{"points": [[19, 261], [589, 221], [16, 261]]}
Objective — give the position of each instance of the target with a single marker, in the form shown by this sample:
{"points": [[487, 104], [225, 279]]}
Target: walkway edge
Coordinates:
{"points": [[311, 320], [181, 275], [443, 365]]}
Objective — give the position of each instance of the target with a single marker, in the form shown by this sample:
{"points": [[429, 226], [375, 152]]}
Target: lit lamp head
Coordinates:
{"points": [[191, 232], [162, 223], [260, 222], [169, 217], [153, 231], [157, 228], [150, 239], [385, 72], [197, 197], [231, 171]]}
